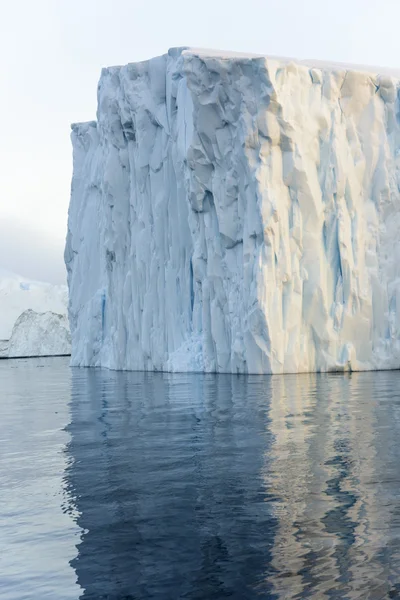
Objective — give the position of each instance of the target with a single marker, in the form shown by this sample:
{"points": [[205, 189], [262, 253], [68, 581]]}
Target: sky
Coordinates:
{"points": [[52, 52]]}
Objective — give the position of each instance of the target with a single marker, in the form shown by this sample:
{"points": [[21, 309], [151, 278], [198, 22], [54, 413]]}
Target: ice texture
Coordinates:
{"points": [[40, 334], [240, 214], [18, 294], [33, 317]]}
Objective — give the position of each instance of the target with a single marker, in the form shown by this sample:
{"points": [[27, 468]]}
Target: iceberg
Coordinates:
{"points": [[33, 318], [238, 214], [40, 334]]}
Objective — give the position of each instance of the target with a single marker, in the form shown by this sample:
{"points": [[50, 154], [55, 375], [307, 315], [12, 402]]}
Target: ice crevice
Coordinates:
{"points": [[240, 214]]}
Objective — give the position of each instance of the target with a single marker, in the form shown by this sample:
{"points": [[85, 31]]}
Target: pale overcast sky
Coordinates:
{"points": [[52, 52]]}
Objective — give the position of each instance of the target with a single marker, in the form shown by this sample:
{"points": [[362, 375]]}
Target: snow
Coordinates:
{"points": [[33, 317], [237, 213]]}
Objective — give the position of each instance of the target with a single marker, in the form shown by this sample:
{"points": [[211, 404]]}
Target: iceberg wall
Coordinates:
{"points": [[234, 213]]}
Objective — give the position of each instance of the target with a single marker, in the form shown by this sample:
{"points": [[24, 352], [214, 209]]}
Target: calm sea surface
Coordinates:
{"points": [[124, 486]]}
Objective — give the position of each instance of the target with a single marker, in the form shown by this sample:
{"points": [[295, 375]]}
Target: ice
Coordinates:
{"points": [[237, 213], [40, 334], [33, 317]]}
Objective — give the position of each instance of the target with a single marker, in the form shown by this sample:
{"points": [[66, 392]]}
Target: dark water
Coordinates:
{"points": [[125, 486]]}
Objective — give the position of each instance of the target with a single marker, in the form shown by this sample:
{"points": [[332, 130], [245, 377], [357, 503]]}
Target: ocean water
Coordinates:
{"points": [[125, 486]]}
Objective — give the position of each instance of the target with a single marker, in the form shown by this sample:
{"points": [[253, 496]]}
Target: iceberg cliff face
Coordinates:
{"points": [[237, 214]]}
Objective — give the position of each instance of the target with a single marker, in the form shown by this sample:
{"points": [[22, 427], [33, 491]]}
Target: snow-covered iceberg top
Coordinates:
{"points": [[237, 213]]}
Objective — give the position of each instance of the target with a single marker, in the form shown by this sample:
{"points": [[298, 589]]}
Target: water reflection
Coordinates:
{"points": [[336, 536], [37, 539], [203, 486], [167, 475]]}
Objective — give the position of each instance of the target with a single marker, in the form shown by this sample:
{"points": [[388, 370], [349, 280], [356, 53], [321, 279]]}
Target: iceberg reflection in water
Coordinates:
{"points": [[172, 486], [204, 486]]}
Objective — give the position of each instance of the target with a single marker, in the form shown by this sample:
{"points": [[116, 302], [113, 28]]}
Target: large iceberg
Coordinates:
{"points": [[234, 213]]}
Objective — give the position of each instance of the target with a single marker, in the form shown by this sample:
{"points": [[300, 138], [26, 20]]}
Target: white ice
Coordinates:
{"points": [[40, 334], [33, 317], [237, 213]]}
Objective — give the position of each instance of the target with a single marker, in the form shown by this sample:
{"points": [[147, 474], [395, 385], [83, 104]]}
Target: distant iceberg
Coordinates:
{"points": [[33, 317], [40, 334], [237, 213]]}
